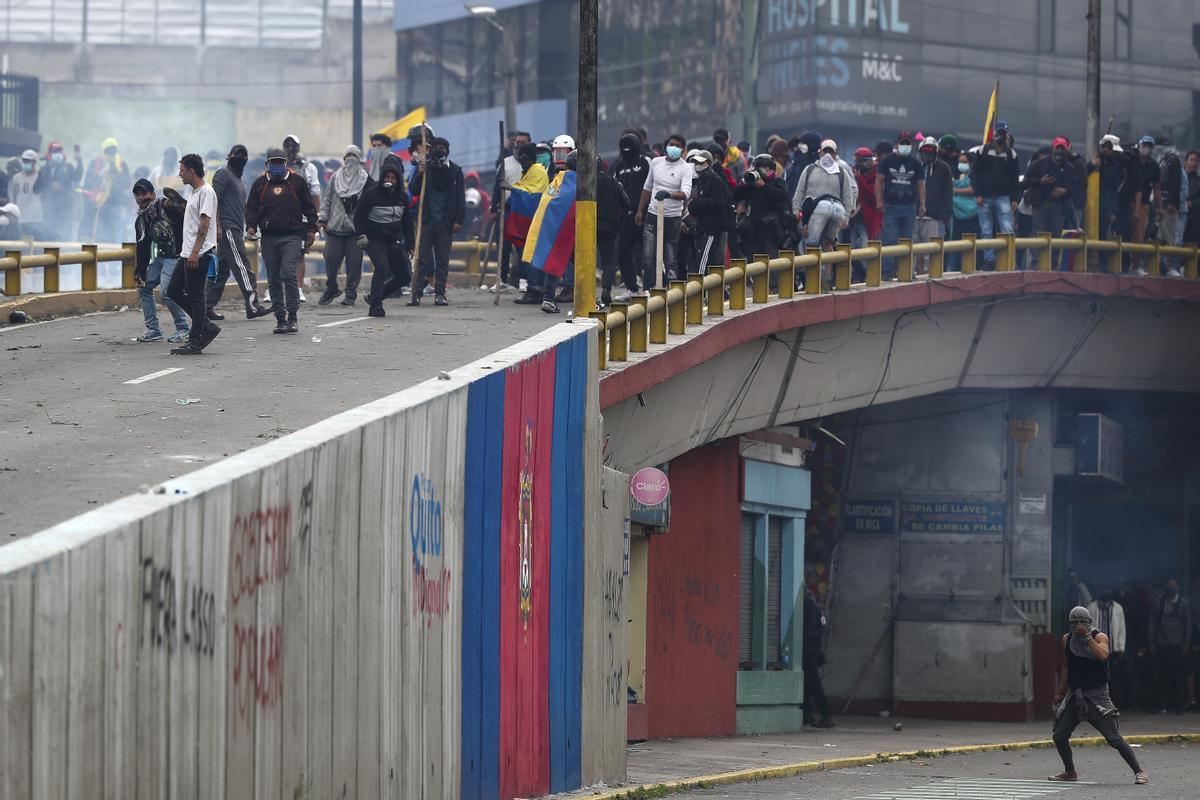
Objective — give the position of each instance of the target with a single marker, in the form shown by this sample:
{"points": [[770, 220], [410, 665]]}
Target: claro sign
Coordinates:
{"points": [[651, 492]]}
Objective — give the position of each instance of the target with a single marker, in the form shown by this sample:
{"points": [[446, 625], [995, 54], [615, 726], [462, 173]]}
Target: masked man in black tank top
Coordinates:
{"points": [[1082, 694]]}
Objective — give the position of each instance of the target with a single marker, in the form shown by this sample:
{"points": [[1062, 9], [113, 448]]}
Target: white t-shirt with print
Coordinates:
{"points": [[671, 176], [202, 202]]}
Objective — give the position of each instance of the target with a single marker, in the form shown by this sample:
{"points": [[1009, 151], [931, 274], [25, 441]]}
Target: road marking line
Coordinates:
{"points": [[342, 322], [973, 789], [154, 375]]}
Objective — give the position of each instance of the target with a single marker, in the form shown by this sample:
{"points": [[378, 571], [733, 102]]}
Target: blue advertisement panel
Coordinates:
{"points": [[953, 516], [869, 516]]}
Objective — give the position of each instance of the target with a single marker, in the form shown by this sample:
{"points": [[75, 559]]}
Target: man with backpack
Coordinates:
{"points": [[1174, 194], [281, 205], [158, 230], [826, 195]]}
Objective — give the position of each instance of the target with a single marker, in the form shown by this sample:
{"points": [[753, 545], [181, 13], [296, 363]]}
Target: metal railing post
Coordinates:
{"points": [[1154, 264], [617, 335], [812, 273], [1191, 262], [1006, 259], [1080, 262], [676, 312], [87, 270], [601, 339], [1043, 253], [737, 287], [761, 292], [128, 265], [787, 278], [875, 264], [637, 327], [474, 256], [716, 296], [12, 277], [841, 272], [968, 258], [694, 304], [904, 266], [50, 274], [1113, 258], [658, 319]]}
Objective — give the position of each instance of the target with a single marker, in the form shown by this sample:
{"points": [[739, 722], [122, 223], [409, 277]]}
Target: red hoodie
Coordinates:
{"points": [[872, 219]]}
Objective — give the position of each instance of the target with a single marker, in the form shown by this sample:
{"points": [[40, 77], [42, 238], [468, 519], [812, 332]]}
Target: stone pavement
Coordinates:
{"points": [[75, 432], [675, 759]]}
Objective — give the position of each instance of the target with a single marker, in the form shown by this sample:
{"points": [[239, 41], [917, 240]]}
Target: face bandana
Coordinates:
{"points": [[828, 163], [1078, 646]]}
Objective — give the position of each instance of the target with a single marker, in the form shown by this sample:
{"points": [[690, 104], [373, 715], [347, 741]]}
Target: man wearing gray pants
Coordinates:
{"points": [[280, 205], [231, 250]]}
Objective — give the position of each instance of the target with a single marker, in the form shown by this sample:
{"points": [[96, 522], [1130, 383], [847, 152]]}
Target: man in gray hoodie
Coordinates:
{"points": [[336, 218]]}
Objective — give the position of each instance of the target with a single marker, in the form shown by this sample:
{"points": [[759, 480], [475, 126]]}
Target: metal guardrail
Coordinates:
{"points": [[18, 255], [631, 327]]}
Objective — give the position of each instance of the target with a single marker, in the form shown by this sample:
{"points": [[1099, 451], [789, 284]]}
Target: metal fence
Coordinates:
{"points": [[19, 102]]}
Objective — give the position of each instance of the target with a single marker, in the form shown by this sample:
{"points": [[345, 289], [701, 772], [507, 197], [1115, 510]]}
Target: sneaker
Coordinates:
{"points": [[523, 285], [376, 310], [280, 325], [1064, 777], [293, 324], [1174, 273], [150, 336], [415, 300], [528, 299], [549, 307], [428, 291], [348, 301], [1141, 778], [1141, 273], [212, 333], [642, 293], [300, 291], [440, 300], [214, 315], [329, 296], [179, 336], [499, 288], [257, 311], [405, 291], [266, 298], [622, 296], [191, 348]]}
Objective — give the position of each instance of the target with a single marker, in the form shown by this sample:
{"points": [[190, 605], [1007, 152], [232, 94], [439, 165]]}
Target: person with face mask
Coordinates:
{"points": [[560, 148], [764, 209], [336, 219], [1147, 178], [158, 233], [106, 185], [866, 222], [440, 181], [1170, 641], [384, 227], [312, 176], [939, 200], [166, 174], [630, 170], [22, 192], [612, 207], [510, 173], [1173, 209], [1082, 694], [1049, 184], [1112, 176], [1191, 227], [966, 210], [900, 195], [669, 184], [381, 148], [55, 186], [231, 233], [825, 197], [733, 158], [710, 212], [1109, 617], [995, 176], [280, 204], [522, 204]]}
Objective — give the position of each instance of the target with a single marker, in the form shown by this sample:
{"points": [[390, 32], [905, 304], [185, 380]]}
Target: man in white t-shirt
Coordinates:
{"points": [[307, 170], [668, 182], [198, 251]]}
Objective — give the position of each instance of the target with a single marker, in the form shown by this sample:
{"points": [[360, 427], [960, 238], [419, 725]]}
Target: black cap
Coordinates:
{"points": [[276, 154], [238, 151], [143, 185]]}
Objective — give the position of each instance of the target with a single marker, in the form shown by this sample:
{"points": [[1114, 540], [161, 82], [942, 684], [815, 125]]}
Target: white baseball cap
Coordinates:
{"points": [[293, 137], [829, 144]]}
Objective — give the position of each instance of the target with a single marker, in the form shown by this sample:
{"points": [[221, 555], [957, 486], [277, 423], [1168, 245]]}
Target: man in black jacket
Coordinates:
{"points": [[613, 206], [996, 180], [280, 205], [440, 180], [710, 212], [158, 230], [1050, 183], [763, 200], [630, 170], [383, 222], [939, 199]]}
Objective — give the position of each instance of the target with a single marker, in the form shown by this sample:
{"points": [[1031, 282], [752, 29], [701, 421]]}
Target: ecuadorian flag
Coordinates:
{"points": [[551, 240], [522, 207]]}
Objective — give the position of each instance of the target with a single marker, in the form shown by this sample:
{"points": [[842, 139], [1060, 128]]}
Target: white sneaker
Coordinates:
{"points": [[524, 285], [1141, 273], [1174, 273], [499, 287], [266, 297], [405, 291], [622, 296], [642, 293], [428, 291], [300, 289]]}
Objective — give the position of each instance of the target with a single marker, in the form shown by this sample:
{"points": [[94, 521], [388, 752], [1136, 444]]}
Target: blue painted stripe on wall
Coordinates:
{"points": [[480, 591], [566, 560]]}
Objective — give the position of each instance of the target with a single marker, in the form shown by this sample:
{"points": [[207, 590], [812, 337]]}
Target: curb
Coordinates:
{"points": [[650, 790]]}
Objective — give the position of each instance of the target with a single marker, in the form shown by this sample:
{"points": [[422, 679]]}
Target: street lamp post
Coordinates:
{"points": [[586, 166], [356, 103], [508, 53]]}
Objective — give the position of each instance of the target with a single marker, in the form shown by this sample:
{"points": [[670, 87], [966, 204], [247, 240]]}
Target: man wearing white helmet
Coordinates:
{"points": [[560, 148], [20, 191]]}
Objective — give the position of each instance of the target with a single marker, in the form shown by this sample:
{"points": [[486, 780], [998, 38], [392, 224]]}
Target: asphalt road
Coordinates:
{"points": [[1015, 775], [75, 433]]}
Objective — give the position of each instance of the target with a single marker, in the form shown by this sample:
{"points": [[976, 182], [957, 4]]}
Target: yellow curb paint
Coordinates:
{"points": [[801, 768]]}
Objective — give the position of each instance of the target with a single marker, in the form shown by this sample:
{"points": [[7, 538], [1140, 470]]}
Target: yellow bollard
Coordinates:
{"points": [[762, 283], [1080, 262], [87, 271], [1006, 258], [968, 259], [50, 274], [1154, 264], [1190, 264], [658, 319], [602, 350], [1113, 263], [1043, 253], [841, 272], [812, 273], [875, 264], [787, 278], [937, 261], [637, 327], [737, 287], [128, 265], [12, 277], [904, 265], [676, 312], [694, 304], [617, 343], [474, 256], [716, 297]]}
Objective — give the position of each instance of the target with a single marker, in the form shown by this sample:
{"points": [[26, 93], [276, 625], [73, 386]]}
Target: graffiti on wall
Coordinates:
{"points": [[525, 525], [176, 614], [614, 618], [431, 578]]}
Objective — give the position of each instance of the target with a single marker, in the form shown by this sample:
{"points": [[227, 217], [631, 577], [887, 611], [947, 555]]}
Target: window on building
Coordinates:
{"points": [[768, 540], [1045, 25], [746, 591], [1123, 29]]}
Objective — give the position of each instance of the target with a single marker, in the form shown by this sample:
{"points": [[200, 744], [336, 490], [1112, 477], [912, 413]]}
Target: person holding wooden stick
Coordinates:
{"points": [[441, 210]]}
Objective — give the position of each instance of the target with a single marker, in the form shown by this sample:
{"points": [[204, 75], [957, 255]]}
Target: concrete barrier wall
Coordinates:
{"points": [[386, 604]]}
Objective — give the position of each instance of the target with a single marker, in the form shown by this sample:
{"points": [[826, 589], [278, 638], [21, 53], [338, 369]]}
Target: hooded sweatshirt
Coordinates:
{"points": [[385, 213], [631, 168], [341, 196], [811, 141]]}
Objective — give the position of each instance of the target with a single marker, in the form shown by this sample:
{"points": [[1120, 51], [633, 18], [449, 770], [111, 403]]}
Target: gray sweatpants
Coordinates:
{"points": [[339, 247], [281, 254], [1069, 720]]}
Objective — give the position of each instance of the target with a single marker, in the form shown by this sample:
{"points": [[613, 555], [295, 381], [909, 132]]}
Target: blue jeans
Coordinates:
{"points": [[159, 272], [898, 223], [995, 216]]}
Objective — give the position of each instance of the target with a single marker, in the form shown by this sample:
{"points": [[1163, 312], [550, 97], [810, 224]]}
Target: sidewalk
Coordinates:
{"points": [[669, 760]]}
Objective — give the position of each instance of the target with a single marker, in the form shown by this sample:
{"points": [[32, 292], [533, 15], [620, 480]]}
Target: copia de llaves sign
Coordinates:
{"points": [[649, 486]]}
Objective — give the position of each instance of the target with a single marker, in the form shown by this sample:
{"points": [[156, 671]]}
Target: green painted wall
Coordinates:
{"points": [[143, 127]]}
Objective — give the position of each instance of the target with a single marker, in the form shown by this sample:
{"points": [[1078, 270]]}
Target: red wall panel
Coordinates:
{"points": [[692, 599]]}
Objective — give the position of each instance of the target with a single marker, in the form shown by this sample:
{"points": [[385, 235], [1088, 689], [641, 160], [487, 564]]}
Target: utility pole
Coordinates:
{"points": [[357, 77], [508, 36], [585, 145], [1092, 208], [750, 71]]}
